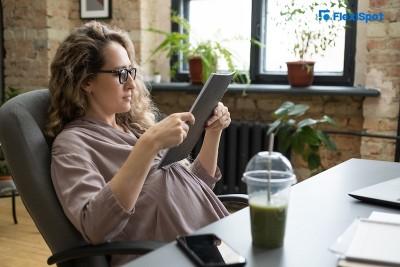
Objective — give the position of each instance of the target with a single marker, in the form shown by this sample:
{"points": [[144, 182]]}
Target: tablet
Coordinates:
{"points": [[202, 108]]}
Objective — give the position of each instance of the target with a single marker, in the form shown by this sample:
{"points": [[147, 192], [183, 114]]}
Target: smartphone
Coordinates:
{"points": [[208, 250]]}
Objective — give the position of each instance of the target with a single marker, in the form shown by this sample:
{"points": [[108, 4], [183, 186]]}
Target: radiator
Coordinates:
{"points": [[239, 142]]}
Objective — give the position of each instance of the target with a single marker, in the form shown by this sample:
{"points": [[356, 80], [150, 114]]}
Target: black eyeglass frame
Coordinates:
{"points": [[120, 73]]}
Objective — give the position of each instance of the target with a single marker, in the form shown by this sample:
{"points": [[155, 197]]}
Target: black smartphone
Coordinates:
{"points": [[208, 250]]}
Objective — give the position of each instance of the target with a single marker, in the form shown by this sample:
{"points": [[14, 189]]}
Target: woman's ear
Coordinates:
{"points": [[87, 86]]}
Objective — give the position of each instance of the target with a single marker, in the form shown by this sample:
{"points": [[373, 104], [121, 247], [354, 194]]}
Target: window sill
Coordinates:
{"points": [[274, 89]]}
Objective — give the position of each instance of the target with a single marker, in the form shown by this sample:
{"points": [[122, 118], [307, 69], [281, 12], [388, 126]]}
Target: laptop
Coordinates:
{"points": [[386, 193]]}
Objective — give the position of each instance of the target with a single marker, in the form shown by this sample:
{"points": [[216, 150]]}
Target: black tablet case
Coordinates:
{"points": [[212, 92]]}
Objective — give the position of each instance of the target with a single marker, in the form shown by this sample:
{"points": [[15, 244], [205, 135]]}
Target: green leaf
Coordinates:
{"points": [[284, 138], [284, 109], [326, 140], [314, 161], [298, 110], [327, 119], [308, 135], [273, 126], [306, 122], [297, 144]]}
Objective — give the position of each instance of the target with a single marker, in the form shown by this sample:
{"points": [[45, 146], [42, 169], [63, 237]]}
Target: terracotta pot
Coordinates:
{"points": [[300, 73], [196, 70], [5, 178]]}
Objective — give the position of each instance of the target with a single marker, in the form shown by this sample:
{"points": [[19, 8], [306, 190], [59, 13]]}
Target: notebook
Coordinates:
{"points": [[385, 193], [208, 98], [370, 242]]}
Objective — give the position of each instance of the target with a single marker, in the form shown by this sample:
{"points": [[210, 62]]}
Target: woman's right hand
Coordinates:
{"points": [[171, 131]]}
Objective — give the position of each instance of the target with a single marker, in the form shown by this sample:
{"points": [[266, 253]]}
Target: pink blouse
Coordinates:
{"points": [[174, 200]]}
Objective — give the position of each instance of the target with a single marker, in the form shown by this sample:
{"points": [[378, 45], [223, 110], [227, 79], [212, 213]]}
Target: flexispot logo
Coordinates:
{"points": [[326, 14]]}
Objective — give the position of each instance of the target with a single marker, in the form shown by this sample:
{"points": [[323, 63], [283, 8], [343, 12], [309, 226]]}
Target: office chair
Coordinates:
{"points": [[28, 153]]}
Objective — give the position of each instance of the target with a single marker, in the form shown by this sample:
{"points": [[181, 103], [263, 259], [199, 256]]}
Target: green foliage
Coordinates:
{"points": [[4, 170], [303, 137], [11, 92], [210, 51], [310, 38]]}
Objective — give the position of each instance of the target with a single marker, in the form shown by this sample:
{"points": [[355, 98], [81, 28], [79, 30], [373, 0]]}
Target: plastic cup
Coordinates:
{"points": [[268, 217]]}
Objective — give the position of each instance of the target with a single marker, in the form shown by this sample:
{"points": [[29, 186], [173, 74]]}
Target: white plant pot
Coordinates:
{"points": [[156, 78]]}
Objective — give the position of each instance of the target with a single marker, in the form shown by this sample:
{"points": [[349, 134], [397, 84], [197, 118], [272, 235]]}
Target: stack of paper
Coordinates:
{"points": [[370, 242]]}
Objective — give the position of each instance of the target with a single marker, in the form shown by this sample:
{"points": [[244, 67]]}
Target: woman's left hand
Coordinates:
{"points": [[219, 120]]}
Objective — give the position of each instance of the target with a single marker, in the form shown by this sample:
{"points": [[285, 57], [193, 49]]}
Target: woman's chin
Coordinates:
{"points": [[126, 107]]}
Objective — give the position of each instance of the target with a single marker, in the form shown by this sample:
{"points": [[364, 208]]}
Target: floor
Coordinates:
{"points": [[21, 244]]}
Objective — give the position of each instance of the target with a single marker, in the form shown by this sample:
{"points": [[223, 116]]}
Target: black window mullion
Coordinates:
{"points": [[350, 47], [255, 51], [181, 7]]}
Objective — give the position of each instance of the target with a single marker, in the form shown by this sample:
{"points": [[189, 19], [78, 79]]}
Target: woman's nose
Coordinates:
{"points": [[130, 81]]}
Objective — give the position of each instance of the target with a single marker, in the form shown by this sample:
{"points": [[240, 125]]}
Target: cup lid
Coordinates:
{"points": [[260, 177]]}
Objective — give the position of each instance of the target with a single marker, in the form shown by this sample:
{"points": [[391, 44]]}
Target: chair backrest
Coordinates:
{"points": [[27, 151]]}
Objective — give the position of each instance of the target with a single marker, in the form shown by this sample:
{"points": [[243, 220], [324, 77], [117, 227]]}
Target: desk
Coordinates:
{"points": [[319, 211]]}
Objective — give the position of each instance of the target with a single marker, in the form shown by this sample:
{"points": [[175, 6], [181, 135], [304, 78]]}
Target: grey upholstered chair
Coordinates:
{"points": [[28, 153]]}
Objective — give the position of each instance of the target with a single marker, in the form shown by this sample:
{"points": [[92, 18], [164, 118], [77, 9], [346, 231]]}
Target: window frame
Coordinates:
{"points": [[257, 25]]}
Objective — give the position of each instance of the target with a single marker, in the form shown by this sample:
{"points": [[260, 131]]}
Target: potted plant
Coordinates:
{"points": [[302, 137], [311, 35], [202, 57]]}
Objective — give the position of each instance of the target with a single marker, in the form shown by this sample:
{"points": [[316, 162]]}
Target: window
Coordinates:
{"points": [[241, 20]]}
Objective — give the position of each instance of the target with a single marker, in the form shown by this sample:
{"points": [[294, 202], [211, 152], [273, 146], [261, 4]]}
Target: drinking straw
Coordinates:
{"points": [[270, 147]]}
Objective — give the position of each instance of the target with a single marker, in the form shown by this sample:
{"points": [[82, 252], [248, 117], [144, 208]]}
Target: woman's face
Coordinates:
{"points": [[106, 95]]}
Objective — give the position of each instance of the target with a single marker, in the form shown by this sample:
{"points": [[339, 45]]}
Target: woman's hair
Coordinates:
{"points": [[78, 59]]}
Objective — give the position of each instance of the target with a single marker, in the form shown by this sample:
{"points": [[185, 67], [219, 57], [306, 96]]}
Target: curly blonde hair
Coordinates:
{"points": [[77, 59]]}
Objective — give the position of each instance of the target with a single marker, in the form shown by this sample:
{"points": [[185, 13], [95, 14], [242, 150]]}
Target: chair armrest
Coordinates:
{"points": [[121, 247], [241, 198], [234, 202]]}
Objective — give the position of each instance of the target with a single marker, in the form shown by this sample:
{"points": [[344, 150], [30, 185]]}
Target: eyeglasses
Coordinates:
{"points": [[122, 73]]}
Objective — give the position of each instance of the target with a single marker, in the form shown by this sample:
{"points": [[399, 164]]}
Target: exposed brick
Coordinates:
{"points": [[392, 15], [394, 29], [376, 29], [380, 108], [377, 3], [394, 71], [394, 43], [378, 125], [383, 57], [376, 44], [245, 104]]}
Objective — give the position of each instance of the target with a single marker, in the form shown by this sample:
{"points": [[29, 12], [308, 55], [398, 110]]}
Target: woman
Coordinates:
{"points": [[108, 145]]}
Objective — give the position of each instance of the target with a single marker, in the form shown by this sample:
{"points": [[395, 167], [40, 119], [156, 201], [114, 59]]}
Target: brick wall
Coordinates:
{"points": [[25, 43], [382, 62], [347, 112], [33, 29]]}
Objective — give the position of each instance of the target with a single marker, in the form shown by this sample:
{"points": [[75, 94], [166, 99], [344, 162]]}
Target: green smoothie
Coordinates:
{"points": [[268, 224]]}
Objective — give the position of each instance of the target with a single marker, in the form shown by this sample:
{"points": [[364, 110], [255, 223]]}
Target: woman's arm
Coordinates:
{"points": [[127, 183], [208, 154]]}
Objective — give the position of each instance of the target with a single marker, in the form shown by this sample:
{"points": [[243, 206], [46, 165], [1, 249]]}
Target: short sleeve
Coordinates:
{"points": [[87, 199], [198, 169]]}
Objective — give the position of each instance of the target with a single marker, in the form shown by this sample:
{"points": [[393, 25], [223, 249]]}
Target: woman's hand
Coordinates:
{"points": [[219, 120], [171, 131]]}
